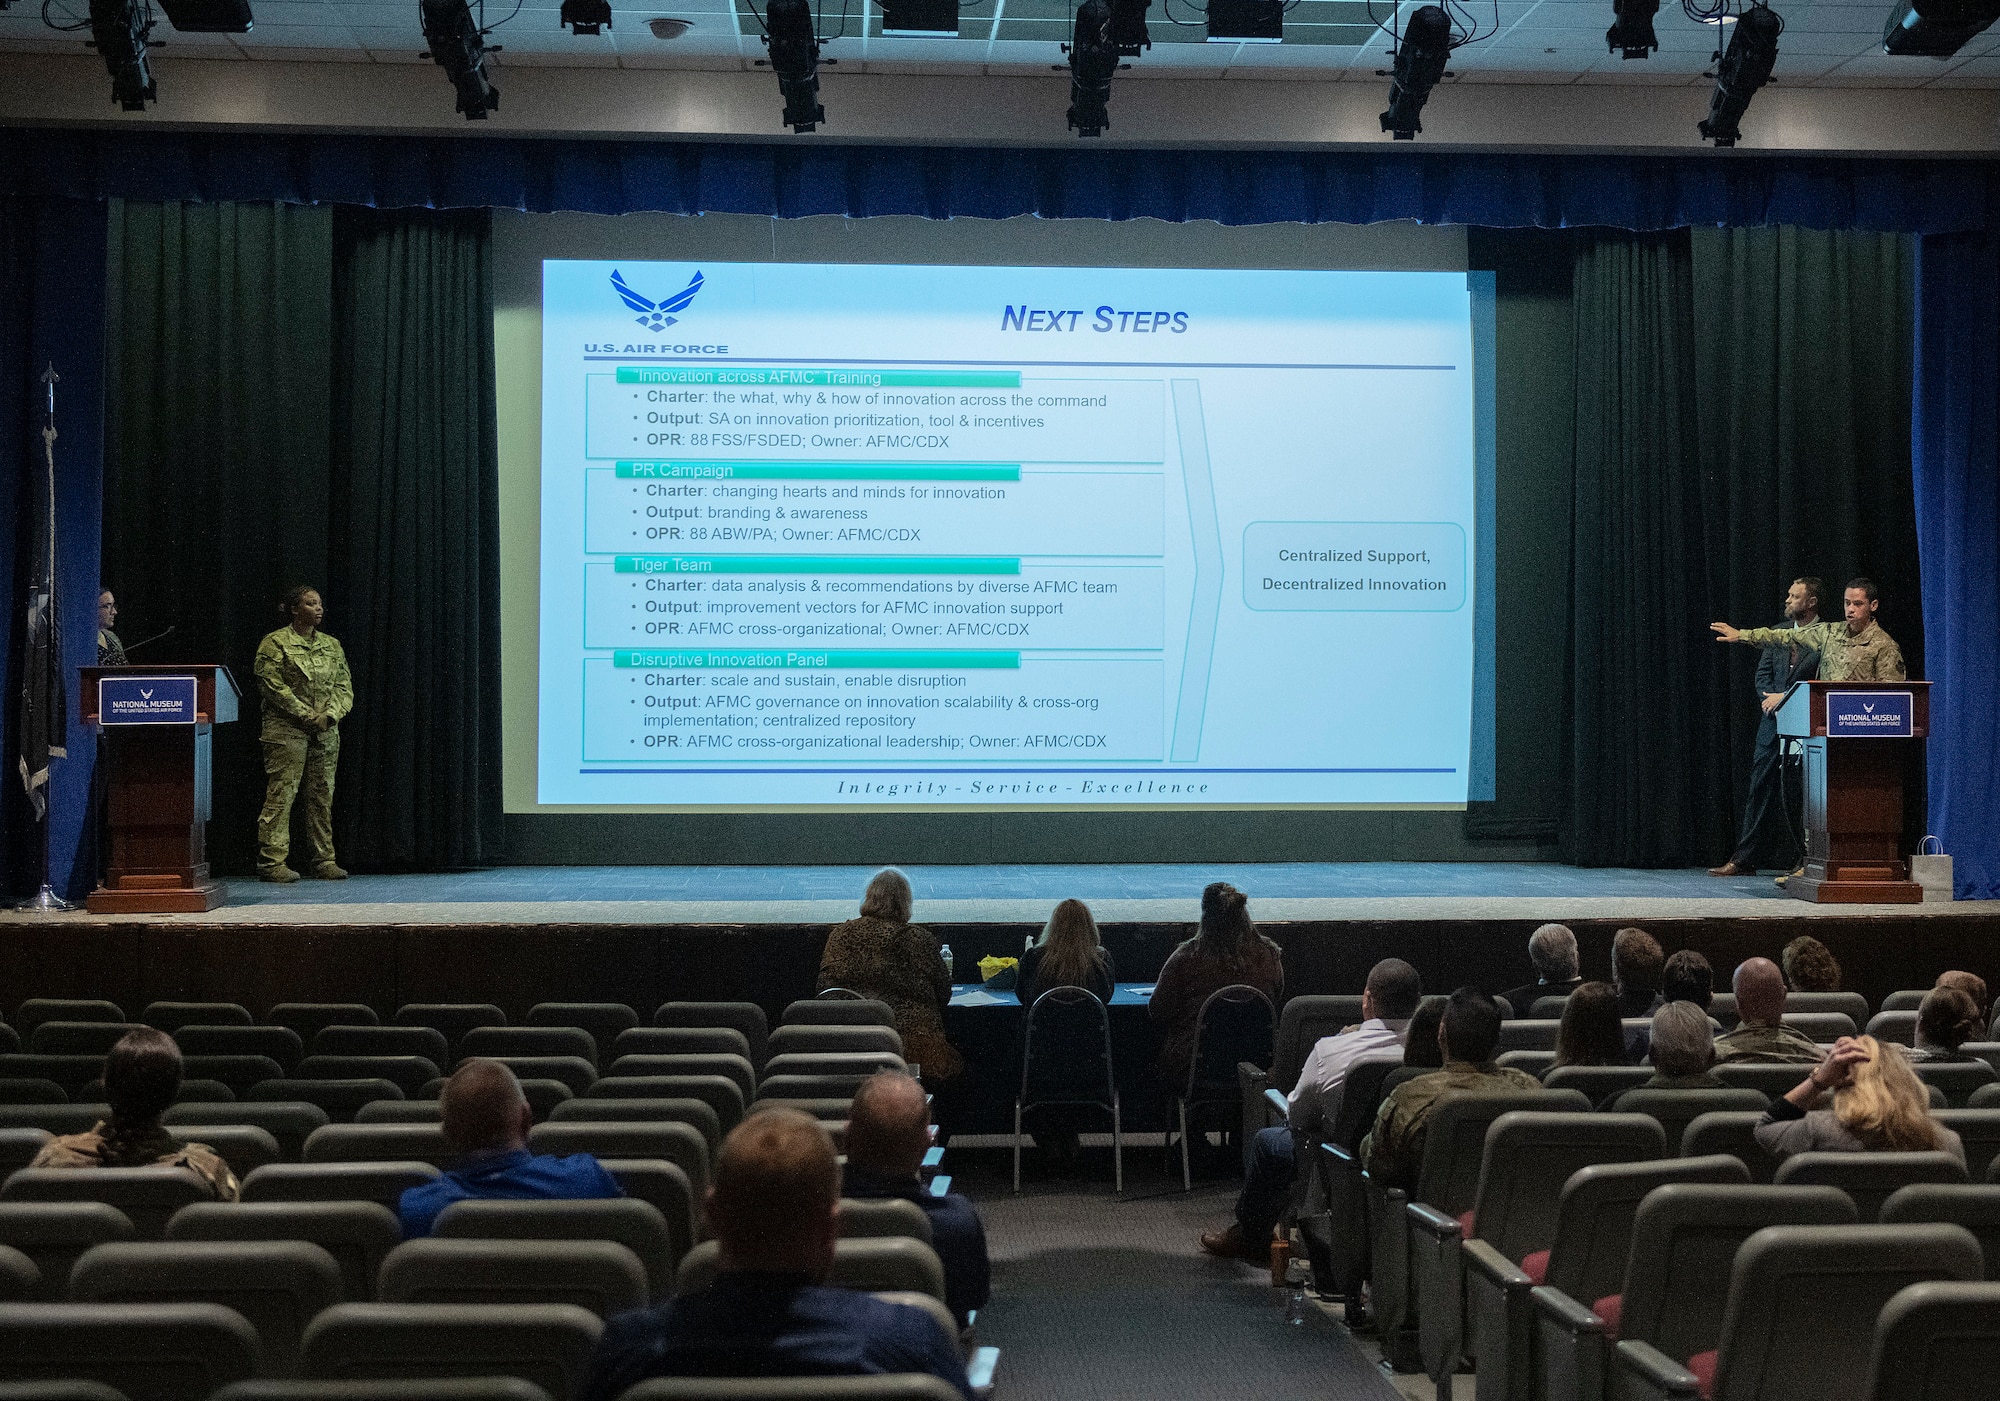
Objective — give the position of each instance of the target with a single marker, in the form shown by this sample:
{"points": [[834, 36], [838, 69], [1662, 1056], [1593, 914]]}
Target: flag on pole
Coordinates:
{"points": [[44, 711]]}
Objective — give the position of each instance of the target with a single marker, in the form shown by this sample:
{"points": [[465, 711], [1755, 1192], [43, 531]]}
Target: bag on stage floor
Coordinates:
{"points": [[1931, 869]]}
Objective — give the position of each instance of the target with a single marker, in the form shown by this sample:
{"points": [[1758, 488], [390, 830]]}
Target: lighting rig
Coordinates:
{"points": [[1420, 54], [458, 45], [1631, 33], [1093, 58], [1745, 66], [1936, 28]]}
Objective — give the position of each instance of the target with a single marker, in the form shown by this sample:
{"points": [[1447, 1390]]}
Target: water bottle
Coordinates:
{"points": [[1295, 1292], [949, 970]]}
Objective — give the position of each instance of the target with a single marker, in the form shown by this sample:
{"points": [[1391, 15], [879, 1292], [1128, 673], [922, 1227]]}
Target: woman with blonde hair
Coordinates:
{"points": [[882, 955], [1067, 955], [1879, 1106]]}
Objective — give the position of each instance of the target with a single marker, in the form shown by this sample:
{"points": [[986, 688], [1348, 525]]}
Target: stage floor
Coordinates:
{"points": [[983, 894]]}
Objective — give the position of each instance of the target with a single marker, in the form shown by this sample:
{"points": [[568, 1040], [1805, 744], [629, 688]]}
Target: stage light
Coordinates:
{"points": [[1936, 28], [1632, 31], [788, 34], [1127, 29], [1093, 59], [119, 28], [208, 16], [1420, 61], [585, 16], [920, 19], [1246, 21], [1745, 67], [458, 47]]}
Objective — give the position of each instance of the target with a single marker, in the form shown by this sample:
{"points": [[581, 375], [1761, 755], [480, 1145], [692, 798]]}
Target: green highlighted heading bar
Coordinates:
{"points": [[824, 379], [818, 471], [775, 659], [815, 564]]}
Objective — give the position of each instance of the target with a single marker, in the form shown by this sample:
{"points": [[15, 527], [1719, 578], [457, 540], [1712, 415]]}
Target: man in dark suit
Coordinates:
{"points": [[1764, 831]]}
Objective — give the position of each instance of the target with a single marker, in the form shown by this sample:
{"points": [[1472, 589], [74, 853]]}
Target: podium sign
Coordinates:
{"points": [[1869, 715], [146, 700]]}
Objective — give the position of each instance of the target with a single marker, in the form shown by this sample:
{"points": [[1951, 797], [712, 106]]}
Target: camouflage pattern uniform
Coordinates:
{"points": [[1393, 1152], [1779, 1045], [86, 1150], [1868, 655], [300, 678]]}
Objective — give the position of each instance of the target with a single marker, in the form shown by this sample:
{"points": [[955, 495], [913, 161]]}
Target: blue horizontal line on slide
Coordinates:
{"points": [[997, 773], [1056, 364]]}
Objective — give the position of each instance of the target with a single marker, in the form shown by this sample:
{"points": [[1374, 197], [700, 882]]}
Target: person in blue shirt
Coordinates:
{"points": [[773, 1208], [486, 1122], [888, 1130]]}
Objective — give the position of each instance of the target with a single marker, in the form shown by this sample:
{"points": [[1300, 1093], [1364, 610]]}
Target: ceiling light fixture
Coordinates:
{"points": [[1632, 32], [1246, 21], [1936, 28], [1420, 59], [119, 28], [1128, 27], [920, 19], [585, 16], [1745, 67], [458, 45], [794, 47], [1093, 59], [208, 16]]}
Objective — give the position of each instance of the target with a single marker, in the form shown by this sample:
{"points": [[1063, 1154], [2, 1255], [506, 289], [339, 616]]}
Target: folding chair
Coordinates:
{"points": [[1066, 1060], [1235, 1026]]}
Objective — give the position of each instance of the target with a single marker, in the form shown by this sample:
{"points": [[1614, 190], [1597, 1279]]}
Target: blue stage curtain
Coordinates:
{"points": [[1957, 468], [1496, 190], [51, 312]]}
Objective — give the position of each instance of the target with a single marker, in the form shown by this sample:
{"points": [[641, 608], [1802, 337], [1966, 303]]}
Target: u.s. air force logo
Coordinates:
{"points": [[655, 315]]}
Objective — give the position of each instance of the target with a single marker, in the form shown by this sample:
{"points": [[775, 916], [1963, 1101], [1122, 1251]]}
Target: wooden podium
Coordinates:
{"points": [[157, 723], [1858, 737]]}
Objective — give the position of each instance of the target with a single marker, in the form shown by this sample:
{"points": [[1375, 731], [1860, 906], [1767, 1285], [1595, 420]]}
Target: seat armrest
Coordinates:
{"points": [[1647, 1374], [1431, 1221], [1558, 1307], [1497, 1267], [1343, 1157], [1276, 1104], [1570, 1348], [979, 1370]]}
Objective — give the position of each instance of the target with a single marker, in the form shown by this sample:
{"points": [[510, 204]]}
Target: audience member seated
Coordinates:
{"points": [[1392, 995], [1879, 1106], [1810, 966], [1946, 1019], [1068, 954], [773, 1210], [1636, 964], [142, 1074], [1225, 950], [486, 1121], [1683, 1048], [1971, 984], [1591, 1032], [1760, 1035], [1552, 950], [1421, 1046], [1687, 977], [1393, 1152], [888, 1132], [884, 956]]}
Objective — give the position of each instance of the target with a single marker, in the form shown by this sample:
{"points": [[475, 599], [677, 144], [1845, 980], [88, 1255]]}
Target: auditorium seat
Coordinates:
{"points": [[59, 1389], [240, 1073], [681, 1144], [1522, 1034], [730, 1064], [1597, 1083], [1851, 1005], [1799, 1322], [807, 1087], [279, 1286], [425, 1041], [403, 1389], [58, 1119], [1908, 1000], [888, 1216], [1959, 1080], [1676, 1109], [695, 1112], [70, 1072], [19, 1145], [1337, 1240], [339, 1100], [279, 1043], [890, 1386], [1684, 1240], [542, 1095], [667, 1188], [682, 1041], [846, 1011], [287, 1123], [190, 1092], [18, 1090], [829, 1111], [147, 1195], [1733, 1132], [10, 1040], [1722, 1009], [600, 1275], [245, 1147], [631, 1221], [452, 1019], [356, 1234], [547, 1344], [408, 1073], [1868, 1178], [1979, 1131], [55, 1234], [854, 1065], [1585, 1259], [1823, 1027], [400, 1111], [1975, 1206], [1899, 1027], [834, 1039], [20, 1277], [171, 1017], [603, 1020], [308, 1019], [36, 1010], [1302, 1022], [1527, 1158], [379, 1143], [721, 1093], [745, 1017], [1988, 1051], [1547, 1008], [1775, 1080], [530, 1042], [860, 1262], [77, 1038], [1936, 1341], [574, 1072], [149, 1352], [1535, 1063], [336, 1182]]}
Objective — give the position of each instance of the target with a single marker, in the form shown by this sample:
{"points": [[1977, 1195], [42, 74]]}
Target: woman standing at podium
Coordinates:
{"points": [[302, 675]]}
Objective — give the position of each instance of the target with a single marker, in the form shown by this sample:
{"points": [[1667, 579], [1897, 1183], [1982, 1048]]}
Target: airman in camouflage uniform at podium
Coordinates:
{"points": [[303, 677], [1855, 650]]}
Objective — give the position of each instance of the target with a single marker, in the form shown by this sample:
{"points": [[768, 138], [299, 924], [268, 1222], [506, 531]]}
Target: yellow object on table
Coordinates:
{"points": [[998, 971]]}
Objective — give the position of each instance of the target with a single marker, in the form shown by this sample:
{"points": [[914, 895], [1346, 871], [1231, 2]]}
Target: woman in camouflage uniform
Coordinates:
{"points": [[141, 1077]]}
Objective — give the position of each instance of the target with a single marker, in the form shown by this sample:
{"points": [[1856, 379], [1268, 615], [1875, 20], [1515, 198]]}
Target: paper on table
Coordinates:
{"points": [[977, 997]]}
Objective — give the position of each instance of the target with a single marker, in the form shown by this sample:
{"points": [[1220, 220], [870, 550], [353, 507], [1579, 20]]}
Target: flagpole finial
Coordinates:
{"points": [[49, 376]]}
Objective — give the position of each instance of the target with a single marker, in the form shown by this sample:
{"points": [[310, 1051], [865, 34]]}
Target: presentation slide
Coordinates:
{"points": [[821, 536]]}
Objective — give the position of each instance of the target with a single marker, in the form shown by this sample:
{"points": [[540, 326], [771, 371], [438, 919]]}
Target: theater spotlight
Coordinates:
{"points": [[585, 16], [458, 46], [1745, 67], [1420, 61], [920, 19], [1936, 28], [119, 28], [1632, 31], [1093, 59], [788, 34], [1128, 27], [1246, 21]]}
